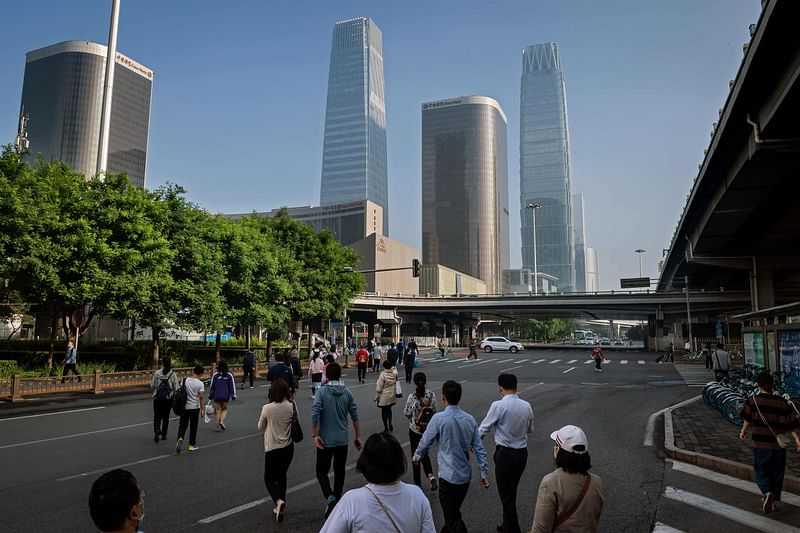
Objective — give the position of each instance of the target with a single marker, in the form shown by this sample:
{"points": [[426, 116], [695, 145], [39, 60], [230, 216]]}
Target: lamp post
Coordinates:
{"points": [[640, 251], [108, 91], [535, 207]]}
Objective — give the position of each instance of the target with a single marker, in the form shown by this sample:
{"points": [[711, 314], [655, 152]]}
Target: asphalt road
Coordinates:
{"points": [[50, 458]]}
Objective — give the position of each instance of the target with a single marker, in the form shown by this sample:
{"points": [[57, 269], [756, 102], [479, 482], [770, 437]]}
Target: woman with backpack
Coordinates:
{"points": [[223, 388], [420, 407], [164, 385], [315, 368], [386, 394]]}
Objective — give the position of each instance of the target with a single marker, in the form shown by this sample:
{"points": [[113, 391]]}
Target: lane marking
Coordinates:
{"points": [[532, 387], [624, 362], [512, 368], [664, 528], [651, 421], [570, 369], [52, 414], [730, 481], [554, 361], [729, 512], [572, 362], [455, 361], [463, 381], [74, 435], [522, 361], [156, 458], [538, 361], [476, 363], [588, 362], [641, 362]]}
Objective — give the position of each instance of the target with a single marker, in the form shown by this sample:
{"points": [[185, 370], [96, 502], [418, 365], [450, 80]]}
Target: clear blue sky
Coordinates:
{"points": [[239, 95]]}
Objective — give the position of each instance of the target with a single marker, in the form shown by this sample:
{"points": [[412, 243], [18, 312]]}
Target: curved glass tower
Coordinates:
{"points": [[465, 187], [354, 148], [544, 166]]}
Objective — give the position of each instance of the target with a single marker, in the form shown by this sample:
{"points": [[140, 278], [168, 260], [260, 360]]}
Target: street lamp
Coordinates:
{"points": [[640, 251], [535, 207]]}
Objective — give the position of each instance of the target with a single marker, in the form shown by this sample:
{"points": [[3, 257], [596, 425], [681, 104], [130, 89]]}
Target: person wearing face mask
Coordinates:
{"points": [[570, 498], [116, 503]]}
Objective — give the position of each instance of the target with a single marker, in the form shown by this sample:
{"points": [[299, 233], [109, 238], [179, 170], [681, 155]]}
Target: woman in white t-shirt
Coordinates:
{"points": [[384, 503], [276, 423]]}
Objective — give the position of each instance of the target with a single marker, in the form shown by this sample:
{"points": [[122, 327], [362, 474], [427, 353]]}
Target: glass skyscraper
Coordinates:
{"points": [[354, 147], [579, 227], [465, 188], [62, 94], [544, 166]]}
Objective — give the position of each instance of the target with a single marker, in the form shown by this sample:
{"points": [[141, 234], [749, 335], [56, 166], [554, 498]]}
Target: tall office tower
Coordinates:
{"points": [[544, 166], [592, 270], [63, 94], [465, 188], [579, 227], [354, 149]]}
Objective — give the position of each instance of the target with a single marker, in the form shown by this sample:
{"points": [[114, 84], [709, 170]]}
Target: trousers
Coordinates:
{"points": [[769, 466], [509, 466], [451, 496], [337, 454], [276, 465], [413, 439], [161, 410], [189, 419]]}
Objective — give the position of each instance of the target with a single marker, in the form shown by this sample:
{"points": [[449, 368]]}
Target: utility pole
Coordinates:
{"points": [[108, 92], [640, 251]]}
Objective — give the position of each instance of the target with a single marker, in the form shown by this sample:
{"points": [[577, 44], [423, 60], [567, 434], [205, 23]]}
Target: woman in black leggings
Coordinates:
{"points": [[385, 393], [420, 406]]}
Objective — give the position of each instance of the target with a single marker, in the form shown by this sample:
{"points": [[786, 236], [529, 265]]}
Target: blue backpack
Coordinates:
{"points": [[164, 391]]}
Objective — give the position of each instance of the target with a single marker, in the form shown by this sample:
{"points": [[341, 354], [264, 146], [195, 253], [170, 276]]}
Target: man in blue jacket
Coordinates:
{"points": [[332, 404]]}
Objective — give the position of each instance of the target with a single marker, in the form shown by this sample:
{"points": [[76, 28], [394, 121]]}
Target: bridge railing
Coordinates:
{"points": [[612, 292]]}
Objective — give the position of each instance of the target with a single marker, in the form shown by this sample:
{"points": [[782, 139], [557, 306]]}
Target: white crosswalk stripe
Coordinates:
{"points": [[570, 369], [588, 361], [554, 361], [640, 362], [538, 361], [624, 362], [664, 528], [521, 360], [476, 363], [573, 361]]}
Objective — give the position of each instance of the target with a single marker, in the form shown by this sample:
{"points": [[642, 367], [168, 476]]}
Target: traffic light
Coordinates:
{"points": [[415, 267]]}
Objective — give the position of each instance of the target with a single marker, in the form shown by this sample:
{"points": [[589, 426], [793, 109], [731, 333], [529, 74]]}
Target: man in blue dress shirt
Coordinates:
{"points": [[456, 432], [511, 420]]}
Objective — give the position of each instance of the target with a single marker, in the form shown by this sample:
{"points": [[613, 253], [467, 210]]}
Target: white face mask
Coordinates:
{"points": [[555, 451]]}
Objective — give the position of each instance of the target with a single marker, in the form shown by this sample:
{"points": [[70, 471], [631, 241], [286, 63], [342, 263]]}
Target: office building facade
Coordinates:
{"points": [[579, 227], [354, 147], [545, 167], [592, 270], [465, 187], [62, 95]]}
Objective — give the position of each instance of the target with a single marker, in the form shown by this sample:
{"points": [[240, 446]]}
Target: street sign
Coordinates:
{"points": [[76, 318], [337, 325], [633, 283]]}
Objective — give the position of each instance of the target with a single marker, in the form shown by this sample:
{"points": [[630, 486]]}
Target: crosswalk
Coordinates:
{"points": [[465, 363], [698, 499], [695, 376]]}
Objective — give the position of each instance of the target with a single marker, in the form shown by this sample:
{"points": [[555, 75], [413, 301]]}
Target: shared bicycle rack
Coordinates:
{"points": [[726, 400]]}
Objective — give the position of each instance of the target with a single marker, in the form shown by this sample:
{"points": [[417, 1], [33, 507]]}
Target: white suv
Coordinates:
{"points": [[490, 344]]}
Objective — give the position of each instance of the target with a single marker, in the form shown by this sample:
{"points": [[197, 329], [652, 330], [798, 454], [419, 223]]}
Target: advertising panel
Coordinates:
{"points": [[789, 345], [754, 348]]}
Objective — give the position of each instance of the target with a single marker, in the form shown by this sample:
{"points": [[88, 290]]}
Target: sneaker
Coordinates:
{"points": [[330, 505], [156, 438], [222, 426], [251, 386], [766, 503], [193, 448], [434, 483], [178, 445], [280, 511]]}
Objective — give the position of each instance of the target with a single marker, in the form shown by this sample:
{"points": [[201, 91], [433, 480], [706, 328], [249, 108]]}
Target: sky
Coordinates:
{"points": [[239, 92]]}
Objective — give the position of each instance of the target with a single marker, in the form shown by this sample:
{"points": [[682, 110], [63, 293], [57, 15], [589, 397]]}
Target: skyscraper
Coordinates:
{"points": [[544, 165], [465, 187], [354, 148], [579, 227], [63, 93]]}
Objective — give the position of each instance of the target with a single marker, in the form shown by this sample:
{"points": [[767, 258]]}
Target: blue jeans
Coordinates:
{"points": [[769, 466]]}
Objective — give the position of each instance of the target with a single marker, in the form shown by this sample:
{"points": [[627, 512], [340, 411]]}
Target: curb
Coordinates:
{"points": [[718, 464]]}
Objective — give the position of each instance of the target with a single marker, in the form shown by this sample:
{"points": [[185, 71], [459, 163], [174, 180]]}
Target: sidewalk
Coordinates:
{"points": [[702, 436]]}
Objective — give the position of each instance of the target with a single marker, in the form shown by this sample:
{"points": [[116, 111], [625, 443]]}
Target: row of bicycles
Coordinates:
{"points": [[730, 394]]}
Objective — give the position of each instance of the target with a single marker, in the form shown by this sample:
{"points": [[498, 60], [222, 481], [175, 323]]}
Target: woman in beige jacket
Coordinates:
{"points": [[570, 499], [385, 393]]}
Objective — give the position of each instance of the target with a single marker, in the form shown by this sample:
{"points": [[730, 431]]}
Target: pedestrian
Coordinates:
{"points": [[456, 433], [687, 347], [441, 347], [116, 503], [362, 357], [334, 402], [401, 352], [670, 357], [371, 354], [316, 366], [570, 498], [275, 422], [297, 369], [385, 503], [410, 359], [191, 414], [598, 356], [377, 357], [473, 350], [386, 395], [392, 354], [708, 353], [282, 371], [420, 408], [70, 361], [248, 367], [769, 415], [222, 391], [721, 360], [164, 385], [511, 420], [328, 359]]}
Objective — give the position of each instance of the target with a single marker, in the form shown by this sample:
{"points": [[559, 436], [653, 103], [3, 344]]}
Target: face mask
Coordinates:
{"points": [[555, 452]]}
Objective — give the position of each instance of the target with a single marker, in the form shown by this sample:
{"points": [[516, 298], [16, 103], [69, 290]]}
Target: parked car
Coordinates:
{"points": [[489, 344], [617, 342], [605, 341]]}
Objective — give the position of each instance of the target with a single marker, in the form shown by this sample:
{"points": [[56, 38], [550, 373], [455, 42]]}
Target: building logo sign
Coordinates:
{"points": [[441, 103], [381, 246], [134, 66]]}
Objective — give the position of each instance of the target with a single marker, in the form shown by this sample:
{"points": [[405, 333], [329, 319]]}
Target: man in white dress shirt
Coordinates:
{"points": [[511, 420]]}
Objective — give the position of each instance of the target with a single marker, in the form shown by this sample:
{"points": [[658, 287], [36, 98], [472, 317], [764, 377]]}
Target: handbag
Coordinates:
{"points": [[296, 429], [783, 439], [398, 390], [385, 510]]}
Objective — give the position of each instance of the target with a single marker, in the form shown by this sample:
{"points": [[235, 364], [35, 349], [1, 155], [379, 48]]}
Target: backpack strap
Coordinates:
{"points": [[566, 516]]}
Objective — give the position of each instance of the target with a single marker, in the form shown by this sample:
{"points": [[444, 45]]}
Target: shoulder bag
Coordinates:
{"points": [[385, 510], [566, 516], [783, 439], [296, 429]]}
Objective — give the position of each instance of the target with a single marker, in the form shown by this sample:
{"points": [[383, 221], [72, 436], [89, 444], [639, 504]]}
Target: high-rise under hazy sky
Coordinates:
{"points": [[238, 110]]}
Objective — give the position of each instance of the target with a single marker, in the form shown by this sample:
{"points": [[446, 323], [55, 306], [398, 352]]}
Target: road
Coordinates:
{"points": [[51, 456]]}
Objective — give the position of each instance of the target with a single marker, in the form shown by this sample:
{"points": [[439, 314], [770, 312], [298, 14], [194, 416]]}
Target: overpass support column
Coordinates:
{"points": [[762, 277], [371, 334], [395, 333]]}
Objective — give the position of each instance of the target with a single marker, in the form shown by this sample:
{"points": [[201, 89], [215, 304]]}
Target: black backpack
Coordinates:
{"points": [[426, 412], [179, 399], [164, 391]]}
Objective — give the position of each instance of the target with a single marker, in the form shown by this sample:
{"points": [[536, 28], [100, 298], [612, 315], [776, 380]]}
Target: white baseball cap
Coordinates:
{"points": [[570, 436]]}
